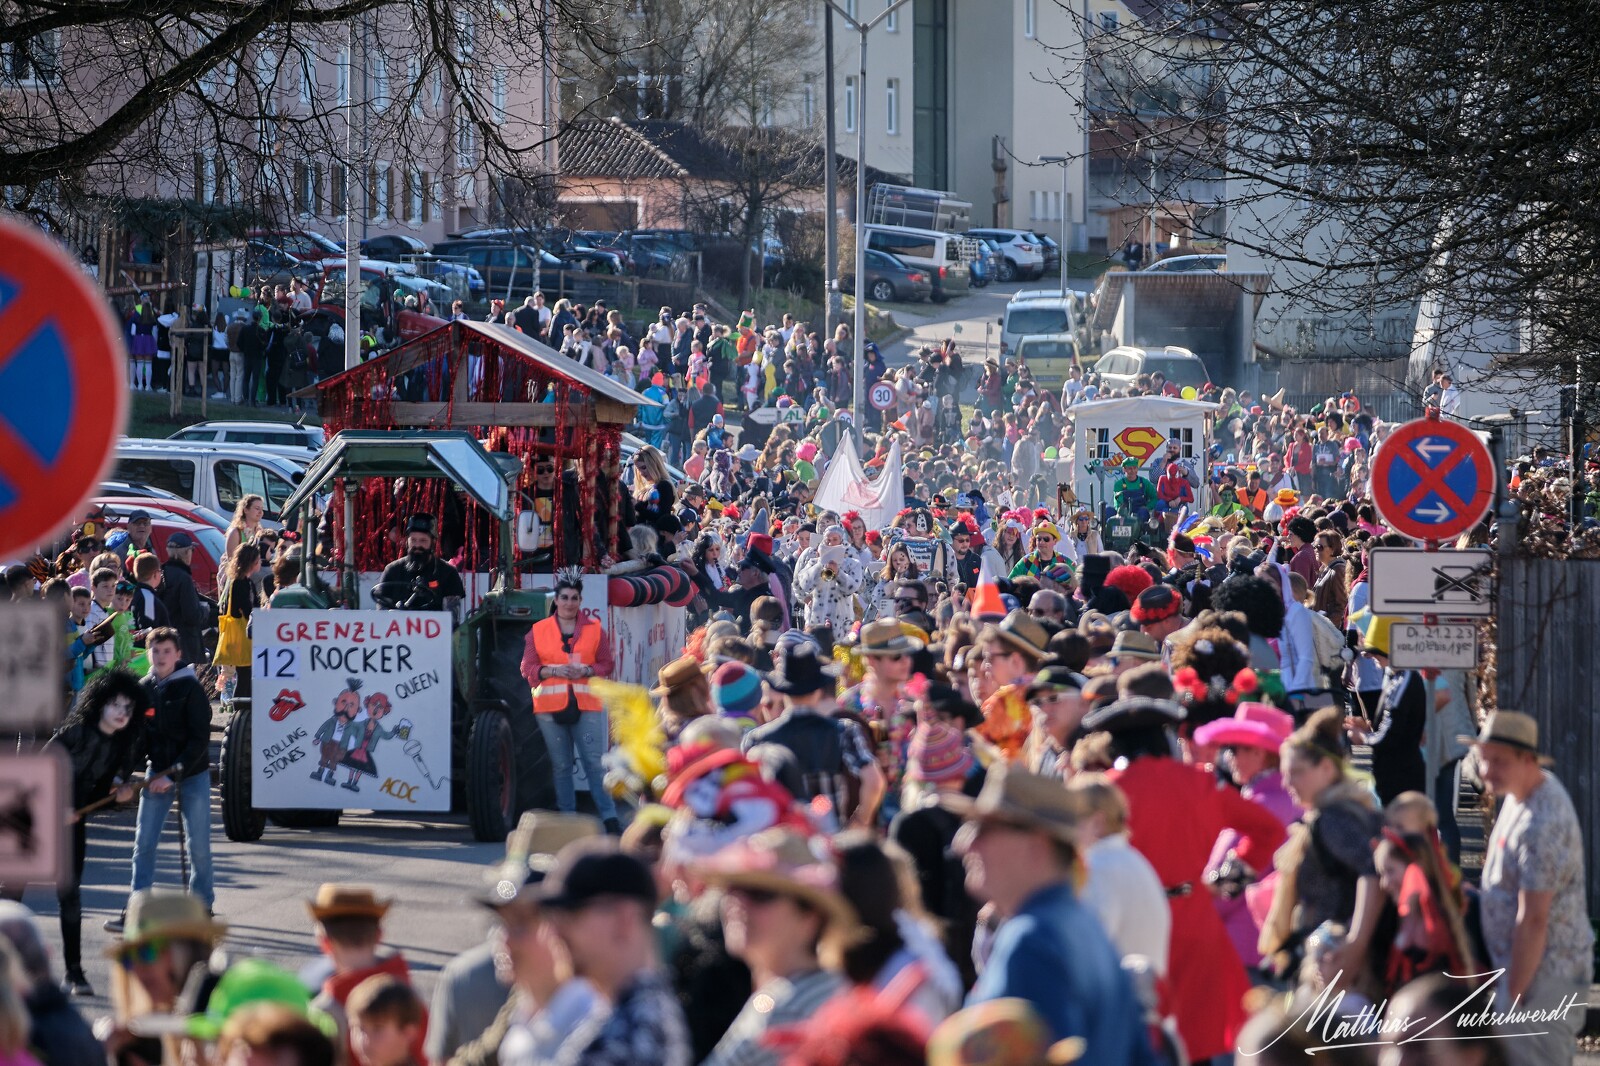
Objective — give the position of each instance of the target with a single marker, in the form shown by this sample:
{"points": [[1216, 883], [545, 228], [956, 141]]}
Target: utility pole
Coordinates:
{"points": [[1065, 162], [859, 338], [834, 302], [352, 250]]}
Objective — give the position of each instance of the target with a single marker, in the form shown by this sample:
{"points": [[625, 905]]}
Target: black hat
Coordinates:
{"points": [[952, 702], [1135, 712], [420, 523], [802, 669], [591, 869], [1092, 574], [180, 539]]}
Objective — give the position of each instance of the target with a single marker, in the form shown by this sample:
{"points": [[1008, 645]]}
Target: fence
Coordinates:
{"points": [[1547, 609]]}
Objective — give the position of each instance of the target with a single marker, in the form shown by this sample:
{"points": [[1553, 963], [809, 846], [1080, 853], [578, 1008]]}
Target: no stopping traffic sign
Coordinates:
{"points": [[1432, 479]]}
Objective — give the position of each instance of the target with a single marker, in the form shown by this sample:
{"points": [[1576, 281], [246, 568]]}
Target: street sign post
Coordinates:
{"points": [[881, 395], [34, 794], [63, 392], [1432, 480], [1449, 646], [1411, 582]]}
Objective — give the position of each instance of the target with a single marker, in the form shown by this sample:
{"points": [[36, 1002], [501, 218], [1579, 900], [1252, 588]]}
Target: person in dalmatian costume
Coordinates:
{"points": [[826, 582], [925, 542]]}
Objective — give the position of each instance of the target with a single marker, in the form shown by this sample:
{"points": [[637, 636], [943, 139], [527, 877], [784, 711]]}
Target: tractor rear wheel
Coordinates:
{"points": [[491, 777], [240, 821]]}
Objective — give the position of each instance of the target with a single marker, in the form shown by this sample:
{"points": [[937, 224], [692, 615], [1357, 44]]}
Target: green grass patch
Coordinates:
{"points": [[149, 414]]}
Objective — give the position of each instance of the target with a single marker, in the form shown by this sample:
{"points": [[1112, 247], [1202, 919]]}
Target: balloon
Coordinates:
{"points": [[1050, 453], [1189, 392]]}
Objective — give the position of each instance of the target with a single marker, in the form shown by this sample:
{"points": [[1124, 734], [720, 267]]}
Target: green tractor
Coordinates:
{"points": [[499, 766]]}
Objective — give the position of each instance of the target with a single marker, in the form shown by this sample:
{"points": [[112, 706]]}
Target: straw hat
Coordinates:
{"points": [[1020, 630], [335, 900], [782, 861], [1000, 1032], [886, 637], [1511, 728], [530, 851], [158, 914], [1017, 798], [1131, 644]]}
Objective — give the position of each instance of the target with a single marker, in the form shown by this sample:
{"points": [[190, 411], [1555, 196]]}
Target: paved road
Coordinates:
{"points": [[973, 320], [429, 864]]}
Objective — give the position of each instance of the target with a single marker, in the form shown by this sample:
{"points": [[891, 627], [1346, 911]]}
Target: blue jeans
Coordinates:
{"points": [[194, 807], [586, 741]]}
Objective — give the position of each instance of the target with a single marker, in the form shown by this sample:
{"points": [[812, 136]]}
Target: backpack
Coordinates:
{"points": [[1332, 650]]}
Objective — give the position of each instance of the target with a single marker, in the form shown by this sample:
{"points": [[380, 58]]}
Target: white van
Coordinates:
{"points": [[947, 257], [1040, 311], [214, 475]]}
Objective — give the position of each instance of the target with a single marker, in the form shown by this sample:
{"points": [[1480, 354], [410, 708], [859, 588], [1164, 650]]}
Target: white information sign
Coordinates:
{"points": [[1411, 581], [351, 709], [33, 647], [1452, 646]]}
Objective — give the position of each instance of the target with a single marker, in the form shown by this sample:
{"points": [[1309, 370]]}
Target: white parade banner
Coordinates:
{"points": [[351, 709], [644, 639]]}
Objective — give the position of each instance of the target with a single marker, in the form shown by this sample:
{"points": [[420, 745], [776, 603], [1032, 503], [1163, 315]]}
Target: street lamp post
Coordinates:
{"points": [[1063, 160], [857, 401]]}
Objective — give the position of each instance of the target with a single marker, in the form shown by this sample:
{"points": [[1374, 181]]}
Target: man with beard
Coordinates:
{"points": [[419, 580], [968, 559]]}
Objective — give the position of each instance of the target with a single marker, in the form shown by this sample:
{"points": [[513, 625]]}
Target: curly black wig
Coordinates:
{"points": [[1257, 599]]}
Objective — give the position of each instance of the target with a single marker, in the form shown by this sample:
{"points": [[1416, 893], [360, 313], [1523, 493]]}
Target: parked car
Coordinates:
{"points": [[136, 489], [1119, 367], [210, 545], [269, 264], [890, 279], [1021, 252], [1188, 264], [289, 434], [214, 475], [118, 508], [1044, 311], [943, 255], [1052, 253], [380, 281], [305, 244], [1048, 357], [508, 270]]}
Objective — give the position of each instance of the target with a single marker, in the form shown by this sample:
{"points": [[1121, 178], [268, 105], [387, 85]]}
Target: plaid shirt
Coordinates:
{"points": [[644, 1028]]}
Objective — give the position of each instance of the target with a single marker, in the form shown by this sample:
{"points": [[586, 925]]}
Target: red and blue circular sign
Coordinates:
{"points": [[63, 387], [1432, 480]]}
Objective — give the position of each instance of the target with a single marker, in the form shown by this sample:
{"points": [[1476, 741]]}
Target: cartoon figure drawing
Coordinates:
{"points": [[358, 757], [335, 736]]}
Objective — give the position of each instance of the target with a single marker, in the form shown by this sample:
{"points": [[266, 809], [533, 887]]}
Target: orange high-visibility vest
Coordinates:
{"points": [[550, 694], [1256, 503]]}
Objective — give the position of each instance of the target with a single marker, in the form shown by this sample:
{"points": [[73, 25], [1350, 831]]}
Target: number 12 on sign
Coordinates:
{"points": [[277, 662]]}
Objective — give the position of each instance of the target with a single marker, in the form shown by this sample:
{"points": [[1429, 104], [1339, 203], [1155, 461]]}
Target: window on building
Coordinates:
{"points": [[435, 193], [765, 116], [438, 89], [304, 195], [1030, 18], [1109, 21], [808, 103], [810, 12], [306, 62], [380, 82], [499, 92], [414, 84], [891, 104], [850, 105], [892, 22], [1102, 443], [1033, 203], [343, 76], [467, 33], [34, 61], [466, 143], [336, 183]]}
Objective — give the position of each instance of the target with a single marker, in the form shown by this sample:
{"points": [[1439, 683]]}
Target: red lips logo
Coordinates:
{"points": [[285, 703]]}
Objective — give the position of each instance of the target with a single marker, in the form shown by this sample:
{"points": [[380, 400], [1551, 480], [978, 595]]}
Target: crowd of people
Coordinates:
{"points": [[961, 785]]}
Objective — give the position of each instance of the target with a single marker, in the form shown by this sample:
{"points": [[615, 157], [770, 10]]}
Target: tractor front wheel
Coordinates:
{"points": [[491, 777], [240, 821]]}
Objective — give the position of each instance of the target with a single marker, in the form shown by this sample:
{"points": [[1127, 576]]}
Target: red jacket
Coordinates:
{"points": [[340, 985], [1175, 813]]}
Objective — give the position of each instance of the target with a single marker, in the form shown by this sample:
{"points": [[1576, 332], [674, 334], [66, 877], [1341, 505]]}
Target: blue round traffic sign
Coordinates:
{"points": [[1432, 479], [63, 387]]}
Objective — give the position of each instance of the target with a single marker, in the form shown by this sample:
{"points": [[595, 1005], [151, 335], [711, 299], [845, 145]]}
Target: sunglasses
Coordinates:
{"points": [[144, 954], [127, 586]]}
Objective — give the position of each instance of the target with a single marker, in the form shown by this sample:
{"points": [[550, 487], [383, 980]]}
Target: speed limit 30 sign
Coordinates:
{"points": [[881, 395]]}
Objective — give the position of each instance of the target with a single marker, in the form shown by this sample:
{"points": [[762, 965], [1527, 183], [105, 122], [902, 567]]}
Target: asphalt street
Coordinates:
{"points": [[973, 320], [429, 865]]}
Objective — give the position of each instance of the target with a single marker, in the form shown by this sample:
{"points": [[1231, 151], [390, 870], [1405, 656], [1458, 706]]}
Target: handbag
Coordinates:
{"points": [[233, 637]]}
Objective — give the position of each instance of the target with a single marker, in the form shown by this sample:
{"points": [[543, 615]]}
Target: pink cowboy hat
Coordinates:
{"points": [[1253, 725]]}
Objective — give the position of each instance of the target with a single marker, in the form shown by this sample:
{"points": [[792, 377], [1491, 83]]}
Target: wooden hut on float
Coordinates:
{"points": [[516, 395]]}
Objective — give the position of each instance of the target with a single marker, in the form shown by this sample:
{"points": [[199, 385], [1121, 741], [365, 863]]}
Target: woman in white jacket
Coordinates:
{"points": [[825, 585]]}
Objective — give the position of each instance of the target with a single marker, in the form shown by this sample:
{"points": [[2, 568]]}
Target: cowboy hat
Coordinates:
{"points": [[782, 861], [1023, 633], [678, 673], [334, 900], [530, 851], [1135, 712], [158, 914], [1511, 728], [886, 637], [1253, 725], [1131, 644], [1017, 798], [802, 669]]}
